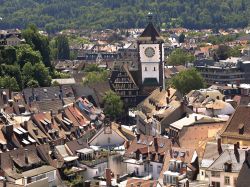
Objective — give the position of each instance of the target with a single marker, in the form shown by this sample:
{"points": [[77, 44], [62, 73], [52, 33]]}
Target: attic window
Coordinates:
{"points": [[228, 167], [241, 128], [45, 90]]}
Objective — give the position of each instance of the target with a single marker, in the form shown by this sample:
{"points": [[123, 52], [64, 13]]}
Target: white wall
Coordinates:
{"points": [[134, 167], [102, 139], [94, 171], [221, 178], [155, 174], [144, 58], [150, 63], [149, 72]]}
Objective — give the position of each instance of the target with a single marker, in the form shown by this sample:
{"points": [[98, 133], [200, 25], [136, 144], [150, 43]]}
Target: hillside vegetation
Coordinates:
{"points": [[54, 15]]}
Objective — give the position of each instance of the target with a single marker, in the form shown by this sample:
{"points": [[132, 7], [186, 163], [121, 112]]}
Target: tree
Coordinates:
{"points": [[113, 105], [26, 54], [180, 57], [62, 45], [38, 73], [9, 55], [181, 38], [32, 84], [223, 52], [9, 82], [41, 74], [188, 80], [38, 42], [11, 71], [94, 77]]}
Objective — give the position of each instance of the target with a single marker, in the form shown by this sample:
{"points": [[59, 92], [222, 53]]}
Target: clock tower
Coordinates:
{"points": [[151, 58]]}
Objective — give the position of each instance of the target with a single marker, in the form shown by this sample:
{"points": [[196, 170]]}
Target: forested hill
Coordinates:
{"points": [[54, 15]]}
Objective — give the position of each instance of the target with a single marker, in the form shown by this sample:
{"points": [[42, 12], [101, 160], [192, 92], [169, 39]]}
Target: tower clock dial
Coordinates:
{"points": [[149, 52]]}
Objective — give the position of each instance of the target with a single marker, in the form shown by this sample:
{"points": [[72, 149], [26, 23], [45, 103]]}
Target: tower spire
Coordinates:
{"points": [[150, 17]]}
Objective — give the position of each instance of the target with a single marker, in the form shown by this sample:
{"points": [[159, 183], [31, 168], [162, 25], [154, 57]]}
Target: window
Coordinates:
{"points": [[158, 169], [109, 140], [146, 69], [154, 69], [151, 168], [215, 174], [227, 180]]}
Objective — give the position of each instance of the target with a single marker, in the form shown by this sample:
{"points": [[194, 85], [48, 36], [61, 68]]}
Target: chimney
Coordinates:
{"points": [[8, 130], [35, 131], [117, 178], [187, 115], [26, 156], [160, 88], [25, 125], [4, 182], [138, 136], [168, 92], [167, 100], [219, 146], [51, 113], [236, 152], [195, 118], [156, 144], [108, 177], [87, 183], [247, 157], [187, 183]]}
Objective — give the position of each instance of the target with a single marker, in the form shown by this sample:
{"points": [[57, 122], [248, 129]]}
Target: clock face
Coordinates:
{"points": [[149, 52]]}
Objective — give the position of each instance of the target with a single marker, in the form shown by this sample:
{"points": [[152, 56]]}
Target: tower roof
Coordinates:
{"points": [[150, 33]]}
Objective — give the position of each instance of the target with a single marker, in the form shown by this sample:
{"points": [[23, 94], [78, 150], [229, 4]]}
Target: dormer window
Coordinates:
{"points": [[228, 167], [241, 128]]}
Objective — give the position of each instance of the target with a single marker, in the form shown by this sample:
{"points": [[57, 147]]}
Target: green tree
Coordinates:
{"points": [[188, 80], [38, 73], [9, 82], [11, 71], [41, 74], [95, 77], [38, 42], [8, 55], [26, 54], [28, 73], [32, 84], [182, 38], [113, 105], [62, 45], [222, 53], [180, 57]]}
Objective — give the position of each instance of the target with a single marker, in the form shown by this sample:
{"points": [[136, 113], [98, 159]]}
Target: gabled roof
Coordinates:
{"points": [[125, 134], [228, 156], [240, 116]]}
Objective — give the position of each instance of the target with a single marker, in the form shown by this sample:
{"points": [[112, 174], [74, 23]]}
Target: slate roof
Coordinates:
{"points": [[150, 33], [228, 156], [145, 144], [211, 153], [78, 144]]}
